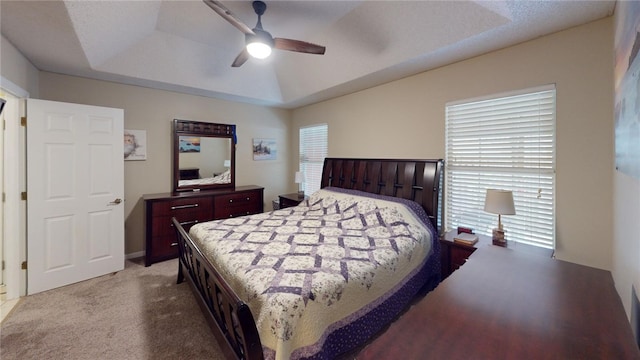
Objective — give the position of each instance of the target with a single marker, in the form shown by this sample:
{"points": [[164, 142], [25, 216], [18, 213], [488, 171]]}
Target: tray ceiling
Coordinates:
{"points": [[185, 46]]}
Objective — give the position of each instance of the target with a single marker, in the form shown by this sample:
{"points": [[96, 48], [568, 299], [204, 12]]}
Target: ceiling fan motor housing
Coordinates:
{"points": [[259, 7], [260, 36]]}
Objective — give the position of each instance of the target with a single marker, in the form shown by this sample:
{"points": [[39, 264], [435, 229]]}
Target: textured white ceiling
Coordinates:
{"points": [[185, 46]]}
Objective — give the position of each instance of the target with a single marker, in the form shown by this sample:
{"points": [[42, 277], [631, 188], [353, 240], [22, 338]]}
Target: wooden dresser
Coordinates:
{"points": [[504, 303], [192, 208]]}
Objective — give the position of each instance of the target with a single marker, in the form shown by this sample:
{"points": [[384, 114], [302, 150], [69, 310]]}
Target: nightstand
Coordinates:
{"points": [[453, 255], [289, 200]]}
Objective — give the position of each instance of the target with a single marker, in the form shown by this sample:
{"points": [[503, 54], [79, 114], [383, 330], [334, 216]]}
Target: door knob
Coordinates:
{"points": [[116, 202]]}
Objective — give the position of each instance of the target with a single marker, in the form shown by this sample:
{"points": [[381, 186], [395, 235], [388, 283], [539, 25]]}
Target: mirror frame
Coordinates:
{"points": [[202, 129]]}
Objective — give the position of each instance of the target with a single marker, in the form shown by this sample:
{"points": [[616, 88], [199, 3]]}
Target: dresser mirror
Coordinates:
{"points": [[203, 155]]}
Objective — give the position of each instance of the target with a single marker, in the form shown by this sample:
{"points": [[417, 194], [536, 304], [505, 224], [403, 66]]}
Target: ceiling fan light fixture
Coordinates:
{"points": [[259, 45], [259, 50]]}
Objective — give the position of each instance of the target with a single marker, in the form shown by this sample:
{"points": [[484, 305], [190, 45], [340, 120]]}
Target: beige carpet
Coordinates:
{"points": [[137, 313]]}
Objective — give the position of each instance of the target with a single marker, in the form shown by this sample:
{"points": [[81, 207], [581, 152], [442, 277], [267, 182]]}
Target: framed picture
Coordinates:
{"points": [[189, 144], [135, 144], [627, 91], [264, 149]]}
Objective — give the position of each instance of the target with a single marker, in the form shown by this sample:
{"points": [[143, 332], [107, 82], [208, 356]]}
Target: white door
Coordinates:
{"points": [[75, 187]]}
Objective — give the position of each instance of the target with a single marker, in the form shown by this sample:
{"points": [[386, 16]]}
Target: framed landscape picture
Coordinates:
{"points": [[264, 149], [189, 144]]}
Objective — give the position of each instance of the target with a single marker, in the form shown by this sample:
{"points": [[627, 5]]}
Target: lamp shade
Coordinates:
{"points": [[299, 177], [499, 202]]}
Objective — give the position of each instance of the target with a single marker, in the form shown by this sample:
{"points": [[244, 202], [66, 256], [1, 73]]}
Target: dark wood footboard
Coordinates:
{"points": [[228, 316]]}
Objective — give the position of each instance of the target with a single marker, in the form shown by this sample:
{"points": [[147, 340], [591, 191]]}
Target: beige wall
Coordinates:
{"points": [[153, 111], [406, 118], [17, 69]]}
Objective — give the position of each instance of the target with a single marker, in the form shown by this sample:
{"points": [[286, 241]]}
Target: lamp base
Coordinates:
{"points": [[301, 194], [498, 238]]}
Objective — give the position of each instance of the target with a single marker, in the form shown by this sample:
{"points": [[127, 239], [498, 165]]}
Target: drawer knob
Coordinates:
{"points": [[248, 198], [174, 244], [230, 200]]}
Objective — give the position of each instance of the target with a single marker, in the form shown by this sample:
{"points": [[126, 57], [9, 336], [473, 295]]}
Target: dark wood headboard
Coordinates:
{"points": [[417, 180]]}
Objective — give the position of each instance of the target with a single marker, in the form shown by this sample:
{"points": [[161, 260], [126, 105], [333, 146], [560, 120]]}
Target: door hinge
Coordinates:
{"points": [[24, 265], [2, 264], [4, 197], [23, 121], [23, 195]]}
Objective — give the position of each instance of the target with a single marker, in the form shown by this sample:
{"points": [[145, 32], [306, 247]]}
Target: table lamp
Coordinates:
{"points": [[299, 179], [499, 202]]}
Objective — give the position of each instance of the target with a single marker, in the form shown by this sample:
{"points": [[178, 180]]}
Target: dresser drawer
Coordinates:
{"points": [[236, 211], [162, 225], [191, 209], [238, 204], [164, 247], [164, 238], [238, 199], [176, 207]]}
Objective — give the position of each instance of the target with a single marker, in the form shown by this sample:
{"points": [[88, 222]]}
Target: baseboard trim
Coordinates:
{"points": [[134, 255]]}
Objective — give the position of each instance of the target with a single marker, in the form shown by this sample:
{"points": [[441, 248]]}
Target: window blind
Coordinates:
{"points": [[313, 150], [508, 143]]}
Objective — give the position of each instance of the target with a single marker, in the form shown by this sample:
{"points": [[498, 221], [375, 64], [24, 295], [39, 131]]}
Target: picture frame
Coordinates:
{"points": [[189, 144], [627, 90], [264, 149], [135, 144]]}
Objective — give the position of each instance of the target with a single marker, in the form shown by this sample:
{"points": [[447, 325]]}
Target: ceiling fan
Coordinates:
{"points": [[258, 41]]}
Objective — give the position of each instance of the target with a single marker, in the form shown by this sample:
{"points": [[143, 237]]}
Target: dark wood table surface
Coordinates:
{"points": [[508, 304]]}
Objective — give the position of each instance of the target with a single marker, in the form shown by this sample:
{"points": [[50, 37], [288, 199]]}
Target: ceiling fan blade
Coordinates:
{"points": [[228, 15], [241, 58], [298, 46]]}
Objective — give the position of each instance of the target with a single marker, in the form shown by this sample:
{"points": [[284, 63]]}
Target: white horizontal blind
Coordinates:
{"points": [[503, 143], [313, 150]]}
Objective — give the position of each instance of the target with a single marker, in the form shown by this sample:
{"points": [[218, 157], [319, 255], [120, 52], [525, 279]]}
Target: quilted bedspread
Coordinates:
{"points": [[309, 270]]}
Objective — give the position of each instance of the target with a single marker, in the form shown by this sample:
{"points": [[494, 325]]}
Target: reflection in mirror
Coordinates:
{"points": [[204, 160], [203, 155]]}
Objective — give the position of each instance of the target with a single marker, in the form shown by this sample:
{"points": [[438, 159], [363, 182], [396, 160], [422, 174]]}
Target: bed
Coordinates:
{"points": [[320, 279], [224, 178]]}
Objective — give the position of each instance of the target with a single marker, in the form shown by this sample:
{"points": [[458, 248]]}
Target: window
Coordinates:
{"points": [[313, 150], [508, 143]]}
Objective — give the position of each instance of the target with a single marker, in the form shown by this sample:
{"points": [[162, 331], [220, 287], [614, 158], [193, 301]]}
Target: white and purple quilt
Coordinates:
{"points": [[322, 277]]}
